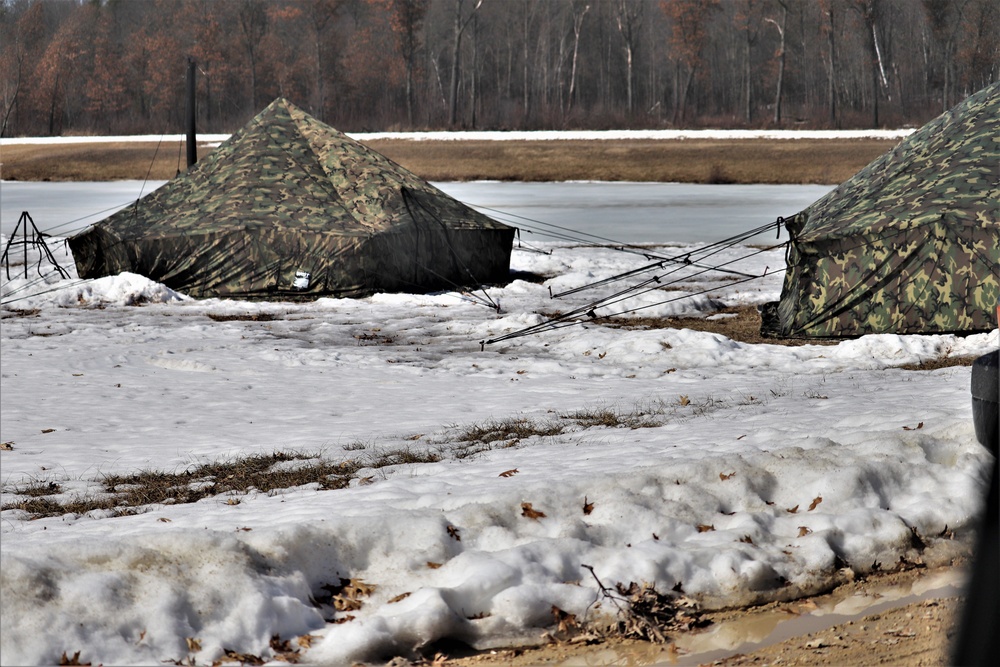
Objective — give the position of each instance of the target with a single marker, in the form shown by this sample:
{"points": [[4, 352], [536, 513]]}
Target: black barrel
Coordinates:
{"points": [[985, 397]]}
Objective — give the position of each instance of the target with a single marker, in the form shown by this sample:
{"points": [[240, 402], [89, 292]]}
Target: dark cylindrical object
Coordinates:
{"points": [[978, 642], [985, 398], [192, 145]]}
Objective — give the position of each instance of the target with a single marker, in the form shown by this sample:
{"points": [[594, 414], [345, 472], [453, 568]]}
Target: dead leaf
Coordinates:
{"points": [[816, 501], [432, 565], [913, 428], [684, 400], [746, 539], [365, 481], [565, 621], [164, 519], [194, 645], [343, 619], [343, 603], [602, 355], [357, 588], [793, 510], [233, 501], [7, 446], [416, 436], [305, 641], [521, 372], [704, 528], [279, 645], [803, 531], [75, 660], [453, 533], [48, 430], [509, 473], [670, 370], [528, 511], [244, 529], [587, 507], [401, 596], [724, 476]]}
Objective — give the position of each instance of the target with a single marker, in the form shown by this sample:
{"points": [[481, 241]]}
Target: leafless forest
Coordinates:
{"points": [[118, 66]]}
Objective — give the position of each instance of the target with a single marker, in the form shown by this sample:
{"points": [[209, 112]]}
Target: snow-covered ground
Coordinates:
{"points": [[589, 135], [722, 471]]}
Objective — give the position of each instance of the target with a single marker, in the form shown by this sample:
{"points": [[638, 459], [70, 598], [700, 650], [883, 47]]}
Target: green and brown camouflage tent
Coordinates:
{"points": [[910, 244], [289, 206]]}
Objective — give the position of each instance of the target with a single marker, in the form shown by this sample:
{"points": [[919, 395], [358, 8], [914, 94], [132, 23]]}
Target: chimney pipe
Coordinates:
{"points": [[192, 145]]}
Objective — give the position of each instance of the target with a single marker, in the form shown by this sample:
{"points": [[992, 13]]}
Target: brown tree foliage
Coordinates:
{"points": [[118, 66]]}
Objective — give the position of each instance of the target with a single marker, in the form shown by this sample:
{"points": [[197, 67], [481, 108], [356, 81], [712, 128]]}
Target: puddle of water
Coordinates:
{"points": [[755, 631], [797, 619]]}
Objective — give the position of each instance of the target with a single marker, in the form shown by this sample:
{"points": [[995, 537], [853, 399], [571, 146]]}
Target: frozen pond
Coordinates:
{"points": [[623, 212]]}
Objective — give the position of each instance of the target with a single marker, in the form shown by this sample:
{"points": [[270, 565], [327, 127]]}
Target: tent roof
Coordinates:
{"points": [[285, 168], [946, 170]]}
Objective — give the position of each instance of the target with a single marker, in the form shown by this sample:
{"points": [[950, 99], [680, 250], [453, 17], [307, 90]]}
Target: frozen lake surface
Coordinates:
{"points": [[624, 212]]}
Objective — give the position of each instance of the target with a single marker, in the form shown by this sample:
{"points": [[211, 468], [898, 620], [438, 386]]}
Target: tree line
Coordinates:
{"points": [[118, 66]]}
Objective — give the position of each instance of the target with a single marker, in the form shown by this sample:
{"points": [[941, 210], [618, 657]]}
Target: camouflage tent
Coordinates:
{"points": [[289, 206], [910, 244]]}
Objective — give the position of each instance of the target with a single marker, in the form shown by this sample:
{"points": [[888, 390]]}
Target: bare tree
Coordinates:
{"points": [[778, 87], [321, 14], [253, 24], [628, 17], [827, 7], [688, 40], [749, 21], [461, 23], [580, 10], [407, 23]]}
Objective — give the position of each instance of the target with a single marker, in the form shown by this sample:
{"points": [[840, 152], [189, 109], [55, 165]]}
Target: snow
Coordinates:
{"points": [[733, 472], [537, 135]]}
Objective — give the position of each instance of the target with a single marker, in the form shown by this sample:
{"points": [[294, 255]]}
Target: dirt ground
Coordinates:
{"points": [[917, 629], [827, 161]]}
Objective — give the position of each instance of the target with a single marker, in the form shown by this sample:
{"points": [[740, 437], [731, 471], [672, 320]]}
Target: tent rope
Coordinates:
{"points": [[589, 310]]}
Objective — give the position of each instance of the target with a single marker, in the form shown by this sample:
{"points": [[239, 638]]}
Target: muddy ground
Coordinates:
{"points": [[918, 633]]}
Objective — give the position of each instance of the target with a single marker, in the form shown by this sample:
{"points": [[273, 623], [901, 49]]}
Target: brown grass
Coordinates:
{"points": [[257, 473], [681, 161], [826, 161], [744, 327]]}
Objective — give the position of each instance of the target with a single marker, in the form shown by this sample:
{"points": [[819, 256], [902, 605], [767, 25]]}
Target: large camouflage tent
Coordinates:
{"points": [[910, 244], [289, 206]]}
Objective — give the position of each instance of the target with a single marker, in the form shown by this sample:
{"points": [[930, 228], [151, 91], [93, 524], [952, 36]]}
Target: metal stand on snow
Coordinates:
{"points": [[37, 240]]}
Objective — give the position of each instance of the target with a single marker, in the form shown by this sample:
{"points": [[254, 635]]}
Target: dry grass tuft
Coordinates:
{"points": [[258, 473], [743, 326], [499, 434], [639, 417]]}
